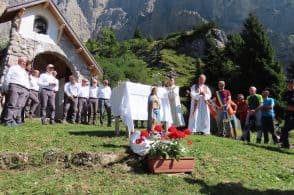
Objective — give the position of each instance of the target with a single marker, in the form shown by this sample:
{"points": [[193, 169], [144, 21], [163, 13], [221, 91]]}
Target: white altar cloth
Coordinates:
{"points": [[130, 102]]}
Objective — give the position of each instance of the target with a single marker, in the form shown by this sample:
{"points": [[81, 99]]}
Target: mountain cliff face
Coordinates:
{"points": [[157, 18]]}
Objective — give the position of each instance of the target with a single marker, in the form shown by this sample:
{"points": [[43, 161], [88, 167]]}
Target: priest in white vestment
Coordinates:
{"points": [[175, 104], [199, 120]]}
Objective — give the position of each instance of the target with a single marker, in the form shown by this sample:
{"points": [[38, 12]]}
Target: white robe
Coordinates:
{"points": [[175, 106], [199, 120]]}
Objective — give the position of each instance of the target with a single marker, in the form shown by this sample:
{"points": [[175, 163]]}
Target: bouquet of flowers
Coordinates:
{"points": [[160, 144]]}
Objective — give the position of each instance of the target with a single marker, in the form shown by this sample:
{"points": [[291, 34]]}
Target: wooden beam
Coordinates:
{"points": [[45, 5], [79, 50], [60, 32]]}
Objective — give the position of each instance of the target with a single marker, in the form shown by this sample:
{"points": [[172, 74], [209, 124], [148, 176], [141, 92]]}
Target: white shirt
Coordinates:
{"points": [[84, 91], [104, 92], [17, 75], [93, 92], [34, 83], [46, 79], [71, 89]]}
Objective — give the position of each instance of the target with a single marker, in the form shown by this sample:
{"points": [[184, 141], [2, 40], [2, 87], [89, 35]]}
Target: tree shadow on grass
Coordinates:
{"points": [[100, 133], [233, 188], [273, 148]]}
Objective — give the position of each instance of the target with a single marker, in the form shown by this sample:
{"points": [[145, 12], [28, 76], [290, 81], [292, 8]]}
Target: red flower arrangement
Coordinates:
{"points": [[145, 133], [140, 140], [187, 132], [165, 144], [158, 128]]}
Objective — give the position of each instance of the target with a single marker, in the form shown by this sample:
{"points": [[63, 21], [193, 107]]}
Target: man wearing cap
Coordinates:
{"points": [[17, 83], [104, 93], [47, 83], [83, 97], [93, 102], [33, 100], [289, 116], [71, 91]]}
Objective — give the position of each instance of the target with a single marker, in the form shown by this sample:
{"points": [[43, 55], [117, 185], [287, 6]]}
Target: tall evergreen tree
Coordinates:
{"points": [[258, 63]]}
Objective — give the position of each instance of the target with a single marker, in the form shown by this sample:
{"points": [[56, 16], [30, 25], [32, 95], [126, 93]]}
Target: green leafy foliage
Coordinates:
{"points": [[167, 149], [146, 61], [247, 60], [117, 58], [258, 59]]}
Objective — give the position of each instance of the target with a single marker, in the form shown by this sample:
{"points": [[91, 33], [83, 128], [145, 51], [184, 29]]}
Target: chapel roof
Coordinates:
{"points": [[13, 10]]}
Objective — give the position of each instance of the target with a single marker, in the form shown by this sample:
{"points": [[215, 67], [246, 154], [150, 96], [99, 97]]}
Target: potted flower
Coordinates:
{"points": [[165, 151]]}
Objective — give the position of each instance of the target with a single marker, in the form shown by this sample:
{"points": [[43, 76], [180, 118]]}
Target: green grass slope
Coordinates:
{"points": [[223, 166]]}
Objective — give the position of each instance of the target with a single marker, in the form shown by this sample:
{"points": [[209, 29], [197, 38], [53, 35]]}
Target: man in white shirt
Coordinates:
{"points": [[33, 99], [71, 91], [93, 102], [83, 97], [17, 83], [48, 83], [104, 93]]}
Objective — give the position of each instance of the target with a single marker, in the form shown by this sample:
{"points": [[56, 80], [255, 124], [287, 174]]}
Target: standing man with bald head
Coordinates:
{"points": [[199, 121], [255, 102], [17, 83], [48, 83], [104, 93]]}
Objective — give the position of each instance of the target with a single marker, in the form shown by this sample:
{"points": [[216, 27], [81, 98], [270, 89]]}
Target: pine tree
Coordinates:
{"points": [[258, 63]]}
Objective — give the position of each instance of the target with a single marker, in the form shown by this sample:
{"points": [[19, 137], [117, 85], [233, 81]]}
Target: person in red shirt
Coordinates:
{"points": [[242, 109]]}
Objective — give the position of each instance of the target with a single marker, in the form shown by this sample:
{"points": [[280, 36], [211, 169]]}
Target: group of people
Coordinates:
{"points": [[82, 101], [26, 89], [254, 112]]}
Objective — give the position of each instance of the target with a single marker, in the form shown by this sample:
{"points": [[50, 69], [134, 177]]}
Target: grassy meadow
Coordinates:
{"points": [[223, 166]]}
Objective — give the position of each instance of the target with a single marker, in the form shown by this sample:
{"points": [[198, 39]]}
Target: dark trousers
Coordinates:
{"points": [[73, 104], [82, 110], [93, 107], [251, 121], [289, 125], [33, 102], [47, 102], [17, 97], [105, 104], [268, 126]]}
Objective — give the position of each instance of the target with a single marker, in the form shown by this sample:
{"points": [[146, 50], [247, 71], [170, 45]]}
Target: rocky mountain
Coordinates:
{"points": [[156, 18]]}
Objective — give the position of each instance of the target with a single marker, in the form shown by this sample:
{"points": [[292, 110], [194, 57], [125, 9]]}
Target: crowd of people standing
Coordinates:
{"points": [[255, 112], [26, 90]]}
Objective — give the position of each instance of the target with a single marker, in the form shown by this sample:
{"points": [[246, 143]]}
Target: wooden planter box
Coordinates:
{"points": [[184, 165]]}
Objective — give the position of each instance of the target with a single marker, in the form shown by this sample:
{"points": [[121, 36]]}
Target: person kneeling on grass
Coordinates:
{"points": [[268, 115]]}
